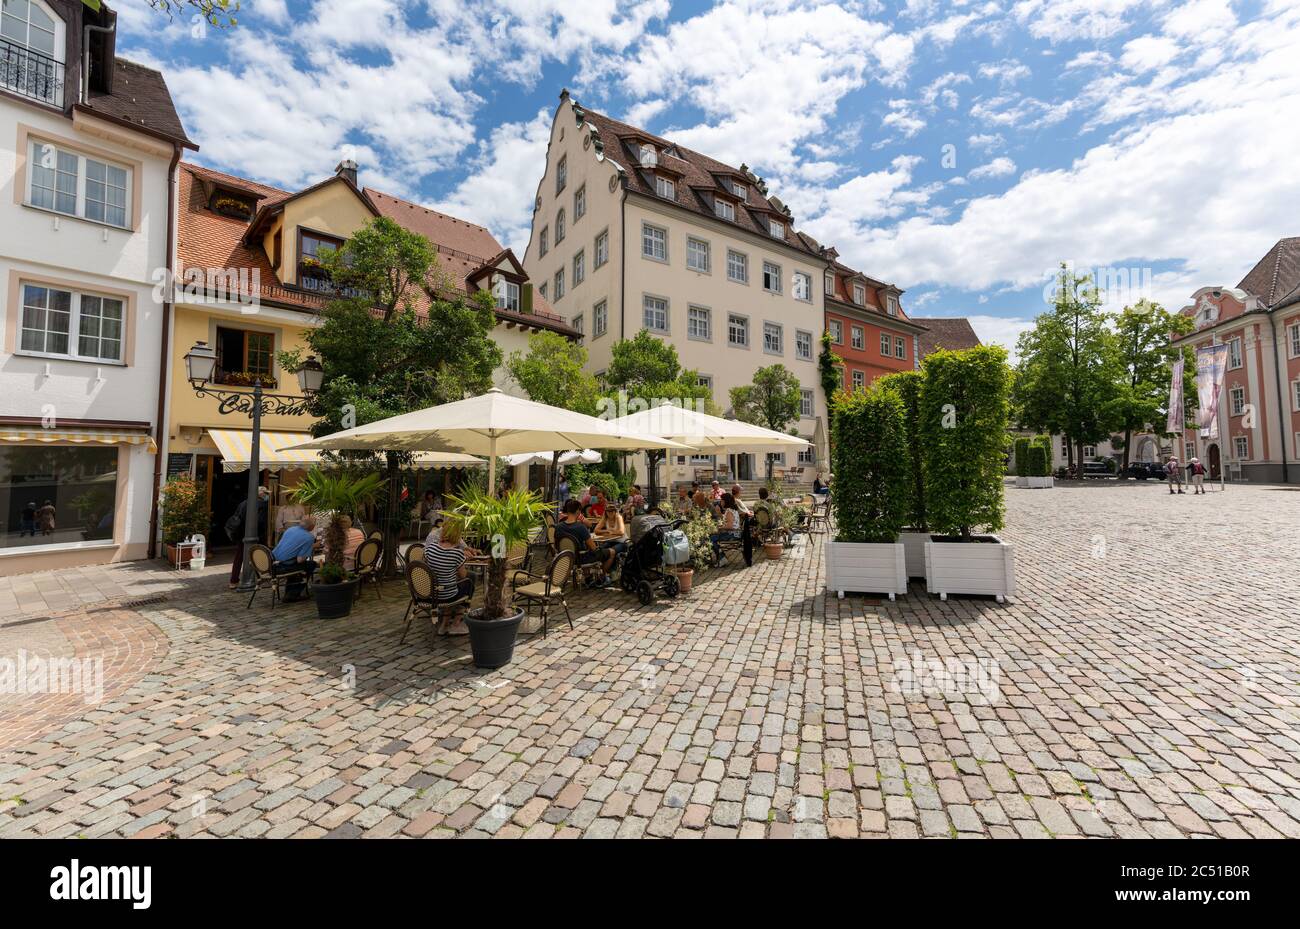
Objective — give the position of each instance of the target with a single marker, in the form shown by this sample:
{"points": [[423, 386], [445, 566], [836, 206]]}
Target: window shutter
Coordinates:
{"points": [[526, 298]]}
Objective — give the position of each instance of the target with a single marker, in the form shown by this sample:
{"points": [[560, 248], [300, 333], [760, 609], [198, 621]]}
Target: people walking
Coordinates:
{"points": [[1174, 473], [1196, 475]]}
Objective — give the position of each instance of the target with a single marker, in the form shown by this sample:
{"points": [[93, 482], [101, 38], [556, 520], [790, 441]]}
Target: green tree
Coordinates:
{"points": [[773, 401], [908, 385], [871, 465], [646, 369], [553, 372], [1069, 373], [964, 412], [218, 13], [1144, 334]]}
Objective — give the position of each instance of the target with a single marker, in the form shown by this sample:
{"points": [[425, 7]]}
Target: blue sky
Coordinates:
{"points": [[960, 149]]}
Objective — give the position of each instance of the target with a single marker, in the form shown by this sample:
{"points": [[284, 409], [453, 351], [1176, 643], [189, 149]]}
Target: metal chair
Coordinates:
{"points": [[366, 565], [414, 553], [819, 520], [264, 576], [545, 590], [424, 601], [765, 530], [567, 543]]}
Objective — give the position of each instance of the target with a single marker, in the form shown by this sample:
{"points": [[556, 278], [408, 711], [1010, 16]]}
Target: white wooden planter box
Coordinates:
{"points": [[866, 567], [984, 567], [914, 551], [1023, 482], [1040, 483]]}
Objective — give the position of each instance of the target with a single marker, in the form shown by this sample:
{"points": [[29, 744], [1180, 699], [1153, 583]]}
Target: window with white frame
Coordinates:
{"points": [[543, 245], [806, 400], [900, 347], [777, 459], [561, 178], [738, 189], [1241, 447], [697, 254], [828, 284], [559, 227], [579, 267], [599, 319], [891, 305], [580, 324], [34, 37], [737, 267], [559, 284], [1089, 451], [654, 313], [803, 342], [699, 323], [801, 285], [859, 379], [772, 277], [1189, 450], [1295, 396], [857, 338], [1065, 447], [836, 329], [738, 330], [580, 203], [507, 295], [724, 209], [773, 339], [859, 295], [654, 242], [68, 182], [807, 454], [1237, 397], [1294, 330], [602, 248], [71, 324], [705, 381], [886, 345], [1234, 353], [775, 229], [665, 187]]}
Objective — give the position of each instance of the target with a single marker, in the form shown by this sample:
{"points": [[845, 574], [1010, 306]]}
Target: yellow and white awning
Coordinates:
{"points": [[274, 452], [9, 434]]}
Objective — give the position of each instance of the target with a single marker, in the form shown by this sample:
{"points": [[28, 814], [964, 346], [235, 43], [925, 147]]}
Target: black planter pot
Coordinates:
{"points": [[492, 641], [334, 601]]}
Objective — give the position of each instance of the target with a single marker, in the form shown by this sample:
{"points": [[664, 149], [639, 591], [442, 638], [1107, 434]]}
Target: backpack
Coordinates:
{"points": [[677, 548], [235, 527]]}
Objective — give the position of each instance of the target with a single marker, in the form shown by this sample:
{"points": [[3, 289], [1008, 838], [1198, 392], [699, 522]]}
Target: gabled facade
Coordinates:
{"points": [[631, 231], [869, 329], [250, 284], [87, 159]]}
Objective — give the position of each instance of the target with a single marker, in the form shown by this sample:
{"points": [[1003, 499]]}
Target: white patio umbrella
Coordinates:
{"points": [[586, 456], [493, 424], [713, 435]]}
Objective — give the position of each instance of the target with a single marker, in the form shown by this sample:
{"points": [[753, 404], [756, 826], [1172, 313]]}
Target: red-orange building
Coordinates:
{"points": [[869, 329]]}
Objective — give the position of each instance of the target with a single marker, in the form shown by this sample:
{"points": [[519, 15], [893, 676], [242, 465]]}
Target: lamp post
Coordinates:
{"points": [[200, 365]]}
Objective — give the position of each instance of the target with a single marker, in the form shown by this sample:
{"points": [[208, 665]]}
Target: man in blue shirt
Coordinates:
{"points": [[293, 551]]}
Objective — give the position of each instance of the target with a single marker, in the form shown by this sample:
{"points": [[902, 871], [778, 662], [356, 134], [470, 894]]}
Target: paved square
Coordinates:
{"points": [[1144, 682]]}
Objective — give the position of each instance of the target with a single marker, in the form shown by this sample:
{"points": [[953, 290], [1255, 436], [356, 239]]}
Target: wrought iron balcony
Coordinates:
{"points": [[31, 74]]}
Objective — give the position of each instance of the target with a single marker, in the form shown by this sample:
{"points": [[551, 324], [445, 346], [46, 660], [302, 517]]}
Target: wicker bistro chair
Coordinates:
{"points": [[545, 590], [765, 531], [567, 543], [819, 520], [424, 598], [414, 552], [264, 575], [367, 567]]}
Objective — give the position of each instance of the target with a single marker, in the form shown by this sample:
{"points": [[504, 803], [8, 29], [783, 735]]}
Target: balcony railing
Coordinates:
{"points": [[31, 74]]}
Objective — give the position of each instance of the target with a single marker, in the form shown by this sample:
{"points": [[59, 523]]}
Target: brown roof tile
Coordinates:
{"points": [[140, 97], [951, 332], [1276, 275]]}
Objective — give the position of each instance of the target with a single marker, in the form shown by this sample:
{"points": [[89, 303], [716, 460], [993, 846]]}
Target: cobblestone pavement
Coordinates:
{"points": [[1147, 682]]}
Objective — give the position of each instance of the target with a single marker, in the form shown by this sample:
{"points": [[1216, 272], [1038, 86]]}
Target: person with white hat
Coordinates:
{"points": [[1174, 474], [1196, 471]]}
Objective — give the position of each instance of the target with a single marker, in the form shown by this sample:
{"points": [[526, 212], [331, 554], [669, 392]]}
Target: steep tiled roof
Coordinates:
{"points": [[1276, 275], [697, 175], [140, 97], [462, 247], [951, 332]]}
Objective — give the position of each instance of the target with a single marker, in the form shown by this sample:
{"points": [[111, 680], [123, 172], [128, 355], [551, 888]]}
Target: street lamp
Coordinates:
{"points": [[200, 366]]}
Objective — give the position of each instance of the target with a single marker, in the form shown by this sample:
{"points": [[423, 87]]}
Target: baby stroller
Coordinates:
{"points": [[656, 544]]}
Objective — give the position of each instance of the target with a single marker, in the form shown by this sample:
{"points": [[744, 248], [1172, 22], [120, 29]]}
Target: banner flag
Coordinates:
{"points": [[1176, 421], [1211, 362]]}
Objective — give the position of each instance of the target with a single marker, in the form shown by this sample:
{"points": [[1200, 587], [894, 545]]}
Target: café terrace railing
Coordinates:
{"points": [[30, 74]]}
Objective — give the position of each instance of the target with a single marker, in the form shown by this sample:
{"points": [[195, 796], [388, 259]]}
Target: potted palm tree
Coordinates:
{"points": [[504, 524], [184, 514], [339, 494]]}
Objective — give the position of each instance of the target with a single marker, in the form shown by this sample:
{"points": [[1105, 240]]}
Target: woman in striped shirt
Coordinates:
{"points": [[446, 561]]}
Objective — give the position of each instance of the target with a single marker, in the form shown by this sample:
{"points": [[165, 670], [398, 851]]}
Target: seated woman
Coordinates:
{"points": [[354, 538], [611, 531], [729, 530], [445, 559]]}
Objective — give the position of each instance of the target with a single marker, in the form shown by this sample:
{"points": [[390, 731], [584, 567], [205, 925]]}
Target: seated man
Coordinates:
{"points": [[636, 500], [715, 491], [740, 504], [293, 553], [596, 509], [588, 551], [684, 502]]}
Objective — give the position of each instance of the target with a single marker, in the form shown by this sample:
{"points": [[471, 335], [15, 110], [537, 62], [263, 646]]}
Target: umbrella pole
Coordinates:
{"points": [[492, 467]]}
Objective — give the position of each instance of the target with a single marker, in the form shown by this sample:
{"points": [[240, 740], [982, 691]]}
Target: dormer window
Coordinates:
{"points": [[507, 295], [830, 285], [665, 187], [649, 157], [231, 204], [738, 189], [891, 305], [859, 295], [776, 230], [31, 51], [725, 210]]}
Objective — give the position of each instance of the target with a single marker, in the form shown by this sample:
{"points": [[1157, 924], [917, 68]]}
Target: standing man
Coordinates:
{"points": [[1174, 473], [235, 529]]}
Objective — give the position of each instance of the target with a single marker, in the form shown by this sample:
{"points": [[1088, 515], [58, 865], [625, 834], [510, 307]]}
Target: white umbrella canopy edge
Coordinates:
{"points": [[703, 430]]}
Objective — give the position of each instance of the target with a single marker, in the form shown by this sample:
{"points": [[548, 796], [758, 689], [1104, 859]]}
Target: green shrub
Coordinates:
{"points": [[871, 465], [1036, 466], [908, 386], [1045, 443], [698, 529], [1022, 458], [184, 511], [964, 409]]}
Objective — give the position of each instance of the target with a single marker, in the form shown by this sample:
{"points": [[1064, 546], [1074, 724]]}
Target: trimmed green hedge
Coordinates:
{"points": [[907, 384], [1022, 458], [870, 465], [964, 411], [1045, 443], [1037, 463]]}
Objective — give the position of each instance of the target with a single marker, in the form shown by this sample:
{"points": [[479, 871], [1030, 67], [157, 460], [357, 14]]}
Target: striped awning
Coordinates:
{"points": [[275, 454], [77, 436]]}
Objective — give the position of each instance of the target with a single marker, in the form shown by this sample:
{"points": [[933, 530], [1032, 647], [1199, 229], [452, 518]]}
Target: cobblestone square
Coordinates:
{"points": [[1143, 682]]}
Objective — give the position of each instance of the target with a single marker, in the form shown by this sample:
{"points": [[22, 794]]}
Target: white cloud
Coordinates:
{"points": [[986, 142], [1149, 52], [1006, 72], [1000, 330], [998, 167]]}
